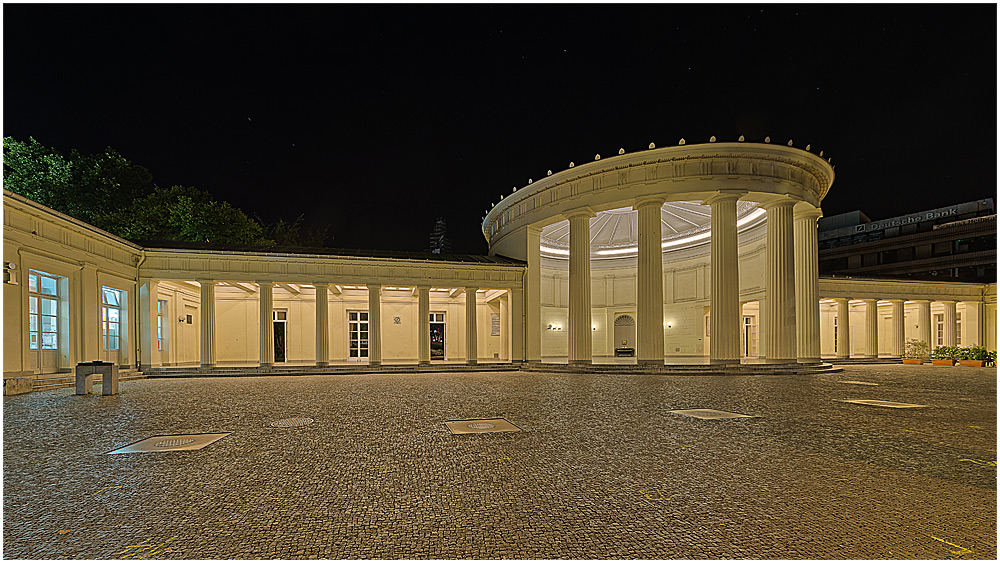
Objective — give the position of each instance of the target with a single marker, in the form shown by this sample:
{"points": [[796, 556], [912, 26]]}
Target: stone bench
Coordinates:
{"points": [[86, 372]]}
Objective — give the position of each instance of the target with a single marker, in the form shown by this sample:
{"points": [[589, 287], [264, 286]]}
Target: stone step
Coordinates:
{"points": [[61, 380]]}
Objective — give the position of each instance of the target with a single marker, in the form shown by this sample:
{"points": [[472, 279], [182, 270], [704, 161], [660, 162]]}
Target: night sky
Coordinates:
{"points": [[376, 119]]}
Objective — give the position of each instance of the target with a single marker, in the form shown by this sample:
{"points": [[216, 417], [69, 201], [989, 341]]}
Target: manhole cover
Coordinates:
{"points": [[173, 443], [176, 442], [710, 414], [291, 422], [890, 404], [859, 383], [480, 425]]}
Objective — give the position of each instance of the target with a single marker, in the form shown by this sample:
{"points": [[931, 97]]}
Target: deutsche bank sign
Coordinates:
{"points": [[931, 215]]}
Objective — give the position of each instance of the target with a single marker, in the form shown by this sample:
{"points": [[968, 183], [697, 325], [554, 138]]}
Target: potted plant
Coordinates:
{"points": [[975, 356], [944, 355], [915, 351]]}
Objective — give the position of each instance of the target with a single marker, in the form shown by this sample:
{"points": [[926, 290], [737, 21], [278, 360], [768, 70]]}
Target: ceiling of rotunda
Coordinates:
{"points": [[615, 232]]}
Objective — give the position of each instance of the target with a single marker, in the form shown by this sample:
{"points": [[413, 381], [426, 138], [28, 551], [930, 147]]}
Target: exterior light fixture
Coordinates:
{"points": [[682, 141], [711, 139], [597, 157], [652, 146], [767, 139], [594, 327], [621, 151], [741, 139]]}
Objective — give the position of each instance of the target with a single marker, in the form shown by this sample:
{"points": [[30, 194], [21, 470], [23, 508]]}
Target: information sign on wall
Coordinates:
{"points": [[494, 324]]}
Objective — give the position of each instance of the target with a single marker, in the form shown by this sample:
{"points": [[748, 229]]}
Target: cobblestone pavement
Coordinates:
{"points": [[601, 469]]}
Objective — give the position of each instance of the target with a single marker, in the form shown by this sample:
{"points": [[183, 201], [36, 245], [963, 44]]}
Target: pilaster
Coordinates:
{"points": [[843, 328], [898, 328], [949, 323]]}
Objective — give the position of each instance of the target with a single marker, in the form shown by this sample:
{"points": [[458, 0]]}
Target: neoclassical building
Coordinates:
{"points": [[695, 253]]}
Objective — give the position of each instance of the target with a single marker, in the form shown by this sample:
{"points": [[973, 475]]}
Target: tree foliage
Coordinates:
{"points": [[185, 214], [110, 192]]}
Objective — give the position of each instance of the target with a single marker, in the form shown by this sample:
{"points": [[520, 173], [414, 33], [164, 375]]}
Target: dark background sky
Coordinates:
{"points": [[375, 119]]}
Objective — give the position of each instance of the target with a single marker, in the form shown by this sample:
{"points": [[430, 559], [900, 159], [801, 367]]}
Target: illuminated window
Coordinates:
{"points": [[43, 311], [111, 312], [161, 308]]}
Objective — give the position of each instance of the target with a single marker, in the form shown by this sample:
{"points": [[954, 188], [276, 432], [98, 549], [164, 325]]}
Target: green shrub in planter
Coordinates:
{"points": [[946, 353]]}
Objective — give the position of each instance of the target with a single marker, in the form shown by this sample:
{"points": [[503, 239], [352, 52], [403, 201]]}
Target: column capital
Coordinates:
{"points": [[777, 203], [947, 301], [421, 287], [839, 299], [807, 214], [867, 301], [894, 301], [534, 229], [264, 282], [648, 200], [203, 281], [920, 301], [723, 195], [471, 288], [321, 284], [584, 211]]}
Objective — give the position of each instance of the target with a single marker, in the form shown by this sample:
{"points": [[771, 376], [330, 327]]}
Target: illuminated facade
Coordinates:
{"points": [[685, 254]]}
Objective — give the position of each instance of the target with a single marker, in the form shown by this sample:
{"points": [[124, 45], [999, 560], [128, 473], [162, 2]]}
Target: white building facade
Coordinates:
{"points": [[688, 254]]}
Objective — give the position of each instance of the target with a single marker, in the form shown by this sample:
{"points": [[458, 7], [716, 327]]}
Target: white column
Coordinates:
{"points": [[780, 290], [471, 326], [580, 337], [871, 328], [725, 312], [898, 328], [266, 315], [924, 323], [207, 323], [533, 298], [322, 325], [375, 324], [424, 325], [148, 353], [649, 282], [807, 285], [843, 328], [949, 323], [517, 326]]}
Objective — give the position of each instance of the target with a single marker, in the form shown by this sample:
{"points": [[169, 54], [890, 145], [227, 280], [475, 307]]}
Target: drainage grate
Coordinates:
{"points": [[859, 383], [173, 443], [711, 414], [291, 422], [480, 425], [179, 442], [889, 404]]}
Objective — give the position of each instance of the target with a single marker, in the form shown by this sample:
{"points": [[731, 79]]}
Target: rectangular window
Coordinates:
{"points": [[161, 308], [111, 318], [939, 323], [43, 311], [357, 330]]}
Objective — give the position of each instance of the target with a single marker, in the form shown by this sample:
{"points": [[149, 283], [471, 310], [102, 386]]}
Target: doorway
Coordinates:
{"points": [[749, 337], [357, 334], [280, 334], [437, 336]]}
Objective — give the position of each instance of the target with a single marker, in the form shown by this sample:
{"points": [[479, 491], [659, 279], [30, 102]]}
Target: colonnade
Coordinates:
{"points": [[148, 299], [897, 328], [791, 304]]}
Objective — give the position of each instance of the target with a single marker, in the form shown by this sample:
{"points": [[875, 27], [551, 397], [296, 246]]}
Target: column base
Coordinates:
{"points": [[810, 361], [374, 363], [780, 360], [580, 362], [265, 365], [322, 364], [206, 366], [424, 363], [471, 362], [659, 362], [724, 362]]}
